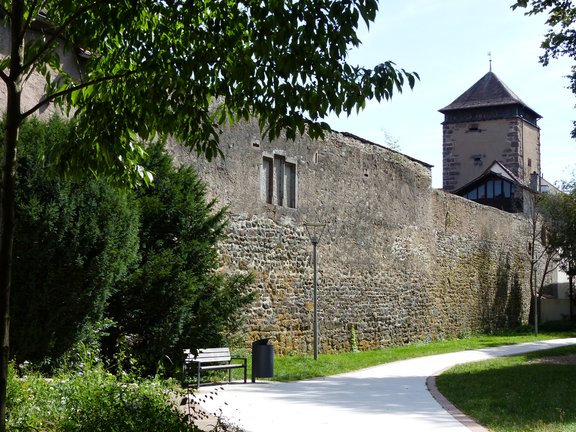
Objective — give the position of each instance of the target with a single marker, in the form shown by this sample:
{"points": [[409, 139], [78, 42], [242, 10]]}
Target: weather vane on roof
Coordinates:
{"points": [[490, 59]]}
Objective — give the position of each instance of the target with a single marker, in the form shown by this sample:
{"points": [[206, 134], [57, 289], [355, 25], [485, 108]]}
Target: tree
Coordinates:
{"points": [[560, 39], [75, 240], [176, 67], [559, 212], [174, 298], [76, 249], [544, 258]]}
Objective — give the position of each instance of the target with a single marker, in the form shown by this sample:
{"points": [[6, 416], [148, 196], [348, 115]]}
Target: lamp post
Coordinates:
{"points": [[315, 231]]}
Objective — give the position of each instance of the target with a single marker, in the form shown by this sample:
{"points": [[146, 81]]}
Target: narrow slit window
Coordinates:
{"points": [[279, 165], [268, 179], [290, 185]]}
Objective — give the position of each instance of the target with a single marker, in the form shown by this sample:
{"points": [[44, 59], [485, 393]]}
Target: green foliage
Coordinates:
{"points": [[203, 64], [560, 39], [558, 326], [74, 241], [174, 298], [91, 399], [146, 258], [353, 339], [559, 213]]}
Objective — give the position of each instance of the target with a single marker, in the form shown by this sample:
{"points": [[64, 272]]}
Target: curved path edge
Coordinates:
{"points": [[449, 406]]}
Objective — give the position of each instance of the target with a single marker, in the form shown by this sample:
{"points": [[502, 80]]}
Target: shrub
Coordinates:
{"points": [[75, 239], [91, 400], [558, 326], [175, 298], [143, 261]]}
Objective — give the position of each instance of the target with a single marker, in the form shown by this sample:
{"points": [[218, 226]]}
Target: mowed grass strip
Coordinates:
{"points": [[299, 367], [517, 394]]}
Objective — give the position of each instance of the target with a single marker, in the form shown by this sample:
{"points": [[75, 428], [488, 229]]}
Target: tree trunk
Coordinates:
{"points": [[7, 216], [533, 275], [571, 295], [8, 191]]}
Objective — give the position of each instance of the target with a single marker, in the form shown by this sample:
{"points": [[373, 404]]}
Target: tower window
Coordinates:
{"points": [[492, 189], [497, 188], [473, 128], [482, 191]]}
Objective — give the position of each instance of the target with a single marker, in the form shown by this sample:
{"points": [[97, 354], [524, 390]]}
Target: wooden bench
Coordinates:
{"points": [[209, 359]]}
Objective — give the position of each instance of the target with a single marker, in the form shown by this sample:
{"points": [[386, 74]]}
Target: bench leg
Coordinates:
{"points": [[244, 374], [198, 377]]}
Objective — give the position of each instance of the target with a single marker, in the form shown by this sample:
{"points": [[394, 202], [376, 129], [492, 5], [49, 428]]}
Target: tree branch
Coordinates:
{"points": [[4, 11], [17, 42], [545, 273], [58, 31], [70, 90], [26, 25]]}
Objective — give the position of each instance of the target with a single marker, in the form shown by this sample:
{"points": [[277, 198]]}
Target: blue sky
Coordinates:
{"points": [[447, 43]]}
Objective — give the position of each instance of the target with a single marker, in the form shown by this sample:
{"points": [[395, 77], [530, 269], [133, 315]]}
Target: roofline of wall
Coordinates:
{"points": [[365, 141]]}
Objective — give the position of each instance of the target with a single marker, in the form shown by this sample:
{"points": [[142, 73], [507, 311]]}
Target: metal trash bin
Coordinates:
{"points": [[262, 359]]}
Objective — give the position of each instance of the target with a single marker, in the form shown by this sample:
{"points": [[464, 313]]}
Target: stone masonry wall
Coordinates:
{"points": [[399, 261], [467, 153]]}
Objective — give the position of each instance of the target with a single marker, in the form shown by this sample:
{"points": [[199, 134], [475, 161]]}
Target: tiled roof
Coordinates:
{"points": [[488, 91]]}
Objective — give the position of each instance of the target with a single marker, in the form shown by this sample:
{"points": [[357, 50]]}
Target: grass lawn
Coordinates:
{"points": [[519, 393]]}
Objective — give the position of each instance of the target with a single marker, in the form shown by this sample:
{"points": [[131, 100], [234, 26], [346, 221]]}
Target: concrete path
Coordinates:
{"points": [[390, 397]]}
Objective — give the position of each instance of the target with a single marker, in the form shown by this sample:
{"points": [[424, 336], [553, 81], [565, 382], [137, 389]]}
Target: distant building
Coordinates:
{"points": [[491, 147], [491, 155], [496, 187]]}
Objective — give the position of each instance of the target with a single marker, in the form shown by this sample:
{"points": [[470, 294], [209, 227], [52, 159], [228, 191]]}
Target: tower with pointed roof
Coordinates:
{"points": [[488, 123]]}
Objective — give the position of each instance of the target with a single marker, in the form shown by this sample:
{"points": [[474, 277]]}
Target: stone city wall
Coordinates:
{"points": [[398, 261], [412, 283]]}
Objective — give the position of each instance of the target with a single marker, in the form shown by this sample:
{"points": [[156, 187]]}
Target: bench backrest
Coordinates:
{"points": [[208, 355]]}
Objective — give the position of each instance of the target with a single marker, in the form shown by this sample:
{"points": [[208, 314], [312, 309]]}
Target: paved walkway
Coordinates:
{"points": [[390, 397]]}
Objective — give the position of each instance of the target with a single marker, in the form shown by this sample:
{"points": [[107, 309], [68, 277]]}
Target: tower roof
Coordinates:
{"points": [[488, 91]]}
